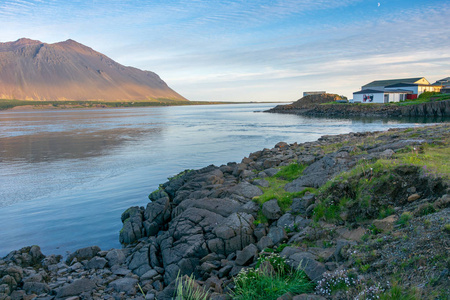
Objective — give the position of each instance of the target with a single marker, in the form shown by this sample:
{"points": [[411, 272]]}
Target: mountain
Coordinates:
{"points": [[32, 70]]}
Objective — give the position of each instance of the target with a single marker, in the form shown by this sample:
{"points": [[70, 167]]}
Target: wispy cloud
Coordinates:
{"points": [[249, 48]]}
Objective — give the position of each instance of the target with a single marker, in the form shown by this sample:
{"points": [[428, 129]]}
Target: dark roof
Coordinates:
{"points": [[391, 81], [398, 91], [442, 81], [369, 91], [401, 84]]}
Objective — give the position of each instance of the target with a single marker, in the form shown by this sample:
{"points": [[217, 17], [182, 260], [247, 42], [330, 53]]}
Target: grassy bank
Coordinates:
{"points": [[8, 104]]}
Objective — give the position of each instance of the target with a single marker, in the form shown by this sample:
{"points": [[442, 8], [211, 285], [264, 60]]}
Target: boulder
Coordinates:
{"points": [[286, 221], [265, 242], [96, 263], [83, 254], [126, 285], [413, 197], [36, 288], [277, 235], [246, 190], [223, 207], [132, 220], [247, 255], [149, 275], [386, 224], [260, 231], [76, 288], [271, 210], [36, 254], [115, 257], [139, 261], [271, 162], [261, 182], [319, 172], [158, 211], [271, 171], [306, 262], [299, 205], [235, 232]]}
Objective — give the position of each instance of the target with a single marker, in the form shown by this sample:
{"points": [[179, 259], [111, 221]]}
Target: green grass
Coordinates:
{"points": [[397, 292], [275, 190], [187, 289], [386, 212], [446, 228], [270, 283], [429, 157], [290, 172], [424, 98], [404, 219], [367, 178]]}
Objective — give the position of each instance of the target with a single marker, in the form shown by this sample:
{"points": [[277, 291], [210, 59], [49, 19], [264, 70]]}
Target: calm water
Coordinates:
{"points": [[67, 175]]}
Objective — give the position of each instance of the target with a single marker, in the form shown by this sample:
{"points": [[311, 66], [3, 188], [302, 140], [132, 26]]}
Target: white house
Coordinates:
{"points": [[394, 90], [379, 96]]}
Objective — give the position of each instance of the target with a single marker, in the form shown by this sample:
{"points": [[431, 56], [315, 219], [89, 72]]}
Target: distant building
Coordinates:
{"points": [[313, 93], [394, 90], [445, 83], [379, 96]]}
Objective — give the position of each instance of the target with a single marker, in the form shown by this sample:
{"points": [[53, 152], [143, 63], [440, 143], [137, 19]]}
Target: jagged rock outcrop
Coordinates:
{"points": [[311, 106], [32, 70], [206, 223]]}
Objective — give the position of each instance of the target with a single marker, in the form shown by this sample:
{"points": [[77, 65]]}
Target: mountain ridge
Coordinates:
{"points": [[68, 70]]}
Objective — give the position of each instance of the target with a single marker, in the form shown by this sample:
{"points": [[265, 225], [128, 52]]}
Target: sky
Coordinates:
{"points": [[245, 50]]}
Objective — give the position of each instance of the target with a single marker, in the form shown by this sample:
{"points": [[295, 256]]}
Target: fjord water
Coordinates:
{"points": [[67, 175]]}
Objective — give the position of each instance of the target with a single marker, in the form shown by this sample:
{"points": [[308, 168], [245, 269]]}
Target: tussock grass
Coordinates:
{"points": [[275, 190], [270, 281]]}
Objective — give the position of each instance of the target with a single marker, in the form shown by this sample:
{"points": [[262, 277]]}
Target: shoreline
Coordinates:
{"points": [[93, 105], [205, 222], [428, 109]]}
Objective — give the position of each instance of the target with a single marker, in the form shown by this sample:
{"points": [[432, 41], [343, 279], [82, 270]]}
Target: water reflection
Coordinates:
{"points": [[66, 176], [50, 146]]}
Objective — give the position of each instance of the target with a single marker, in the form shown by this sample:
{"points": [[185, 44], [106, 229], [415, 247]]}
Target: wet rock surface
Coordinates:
{"points": [[310, 108], [209, 224]]}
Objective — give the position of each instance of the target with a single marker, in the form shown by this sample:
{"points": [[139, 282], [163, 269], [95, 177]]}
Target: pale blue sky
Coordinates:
{"points": [[250, 50]]}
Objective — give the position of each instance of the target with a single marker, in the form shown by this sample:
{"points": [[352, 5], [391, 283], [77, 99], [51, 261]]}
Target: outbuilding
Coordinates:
{"points": [[380, 96], [394, 90]]}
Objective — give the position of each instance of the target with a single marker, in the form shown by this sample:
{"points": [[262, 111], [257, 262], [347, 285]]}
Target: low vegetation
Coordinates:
{"points": [[424, 98], [275, 190], [365, 191], [271, 277], [8, 104]]}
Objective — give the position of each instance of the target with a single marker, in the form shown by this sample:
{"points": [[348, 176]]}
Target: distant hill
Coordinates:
{"points": [[307, 102], [32, 70]]}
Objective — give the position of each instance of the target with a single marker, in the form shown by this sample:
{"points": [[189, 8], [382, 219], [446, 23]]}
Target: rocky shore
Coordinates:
{"points": [[314, 108], [362, 214]]}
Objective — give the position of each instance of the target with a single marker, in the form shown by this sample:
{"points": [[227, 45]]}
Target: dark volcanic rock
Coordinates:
{"points": [[76, 288], [202, 223], [84, 253]]}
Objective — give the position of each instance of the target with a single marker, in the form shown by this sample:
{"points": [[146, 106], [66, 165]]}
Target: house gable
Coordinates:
{"points": [[383, 83]]}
